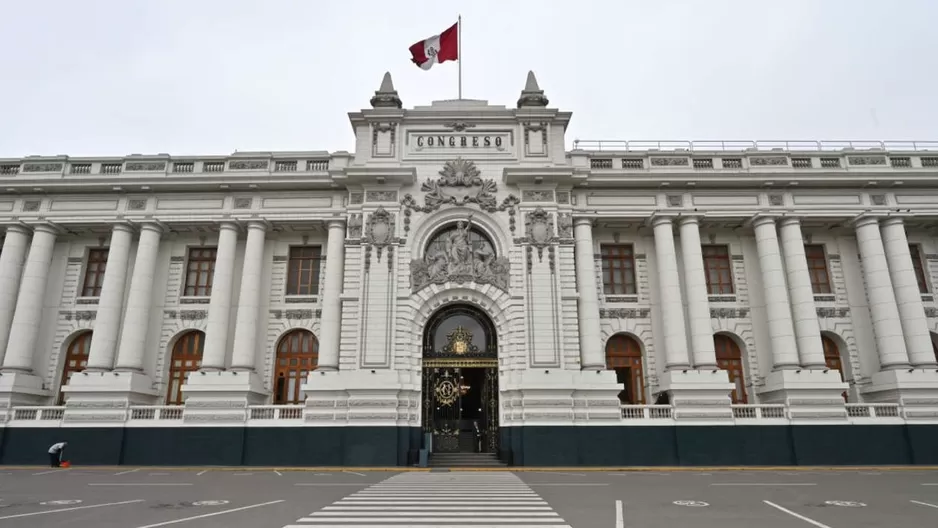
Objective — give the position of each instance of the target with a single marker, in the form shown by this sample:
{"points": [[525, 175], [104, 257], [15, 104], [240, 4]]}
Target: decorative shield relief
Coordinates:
{"points": [[380, 228]]}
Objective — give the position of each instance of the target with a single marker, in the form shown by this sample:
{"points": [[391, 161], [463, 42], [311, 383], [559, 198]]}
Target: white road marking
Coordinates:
{"points": [[930, 484], [71, 509], [158, 474], [321, 474], [65, 502], [570, 484], [200, 473], [140, 484], [435, 525], [126, 472], [46, 472], [691, 503], [325, 484], [796, 515], [925, 503], [243, 474], [620, 518], [359, 474], [763, 484], [279, 474], [846, 504], [213, 514], [560, 473], [210, 503]]}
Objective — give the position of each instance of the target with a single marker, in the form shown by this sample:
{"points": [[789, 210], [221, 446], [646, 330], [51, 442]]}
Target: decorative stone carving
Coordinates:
{"points": [[136, 204], [532, 95], [355, 226], [565, 225], [729, 313], [878, 199], [380, 230], [539, 230], [459, 126], [675, 200], [833, 313], [298, 314], [31, 205], [768, 161], [563, 197], [79, 316], [243, 203], [624, 313], [460, 183], [248, 165], [776, 200], [669, 162], [537, 196], [381, 196], [187, 315], [459, 262], [356, 198], [386, 96], [146, 166], [866, 160]]}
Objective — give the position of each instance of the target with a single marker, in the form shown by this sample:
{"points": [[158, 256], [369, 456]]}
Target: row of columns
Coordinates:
{"points": [[24, 275], [899, 322]]}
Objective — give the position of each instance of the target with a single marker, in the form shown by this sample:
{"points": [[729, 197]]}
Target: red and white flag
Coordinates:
{"points": [[438, 48]]}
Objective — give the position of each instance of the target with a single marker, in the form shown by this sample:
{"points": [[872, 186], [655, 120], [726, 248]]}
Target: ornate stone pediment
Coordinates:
{"points": [[459, 262], [460, 183]]}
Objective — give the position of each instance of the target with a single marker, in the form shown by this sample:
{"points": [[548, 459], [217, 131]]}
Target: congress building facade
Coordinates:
{"points": [[462, 283]]}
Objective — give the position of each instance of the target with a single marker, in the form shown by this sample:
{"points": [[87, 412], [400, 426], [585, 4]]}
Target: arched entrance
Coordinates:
{"points": [[460, 381]]}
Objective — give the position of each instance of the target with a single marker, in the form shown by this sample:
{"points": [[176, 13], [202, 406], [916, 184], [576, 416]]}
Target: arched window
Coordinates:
{"points": [[297, 356], [186, 358], [832, 358], [477, 239], [624, 355], [730, 359], [76, 359]]}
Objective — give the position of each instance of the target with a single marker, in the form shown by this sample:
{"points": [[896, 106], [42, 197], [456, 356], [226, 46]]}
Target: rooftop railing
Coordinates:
{"points": [[757, 146]]}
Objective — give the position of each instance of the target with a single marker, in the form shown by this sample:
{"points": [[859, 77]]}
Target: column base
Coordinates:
{"points": [[560, 397], [915, 389], [222, 396], [698, 395], [361, 398], [811, 395], [106, 396], [19, 388]]}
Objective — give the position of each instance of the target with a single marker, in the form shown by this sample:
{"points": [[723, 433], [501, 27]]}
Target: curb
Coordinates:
{"points": [[593, 469]]}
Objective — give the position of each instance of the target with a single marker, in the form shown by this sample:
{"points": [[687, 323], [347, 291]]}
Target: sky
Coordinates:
{"points": [[116, 77]]}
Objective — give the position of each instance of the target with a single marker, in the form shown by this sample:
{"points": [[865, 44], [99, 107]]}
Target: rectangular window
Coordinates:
{"points": [[303, 270], [718, 270], [618, 262], [200, 271], [94, 272], [817, 269], [919, 265]]}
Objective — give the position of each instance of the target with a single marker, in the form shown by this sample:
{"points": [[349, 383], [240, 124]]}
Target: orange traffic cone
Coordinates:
{"points": [[65, 464]]}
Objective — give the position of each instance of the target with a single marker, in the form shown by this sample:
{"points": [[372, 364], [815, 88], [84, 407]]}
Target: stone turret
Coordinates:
{"points": [[386, 96], [532, 95]]}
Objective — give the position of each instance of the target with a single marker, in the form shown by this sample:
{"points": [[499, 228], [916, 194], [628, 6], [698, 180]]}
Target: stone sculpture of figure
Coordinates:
{"points": [[459, 261]]}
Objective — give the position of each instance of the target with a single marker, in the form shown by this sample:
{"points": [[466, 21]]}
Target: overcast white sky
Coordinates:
{"points": [[114, 77]]}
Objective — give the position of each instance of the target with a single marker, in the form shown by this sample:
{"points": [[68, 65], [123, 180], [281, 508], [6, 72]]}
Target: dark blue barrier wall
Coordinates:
{"points": [[520, 446]]}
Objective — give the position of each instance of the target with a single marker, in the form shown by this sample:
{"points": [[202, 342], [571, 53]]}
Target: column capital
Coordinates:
{"points": [[761, 219], [122, 225], [893, 220], [48, 227], [688, 220], [153, 225], [18, 228], [582, 220], [231, 225], [789, 220], [864, 220], [660, 219], [335, 223], [258, 223]]}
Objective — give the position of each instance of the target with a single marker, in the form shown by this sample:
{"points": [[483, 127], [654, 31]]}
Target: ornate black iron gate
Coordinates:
{"points": [[460, 405]]}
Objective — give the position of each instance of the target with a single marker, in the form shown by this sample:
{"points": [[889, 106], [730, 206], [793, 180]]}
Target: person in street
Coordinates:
{"points": [[55, 454]]}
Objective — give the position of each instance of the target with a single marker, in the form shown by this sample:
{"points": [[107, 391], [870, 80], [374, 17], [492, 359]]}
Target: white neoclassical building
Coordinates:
{"points": [[463, 281]]}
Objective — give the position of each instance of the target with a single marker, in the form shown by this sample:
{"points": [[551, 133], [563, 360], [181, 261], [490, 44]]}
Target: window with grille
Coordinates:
{"points": [[76, 359], [618, 263], [817, 269], [303, 268], [718, 270], [919, 267], [94, 272], [730, 359], [186, 358], [624, 356], [297, 356], [200, 271]]}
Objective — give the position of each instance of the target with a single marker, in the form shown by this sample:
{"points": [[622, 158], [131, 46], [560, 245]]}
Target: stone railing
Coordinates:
{"points": [[748, 146], [769, 414], [149, 167]]}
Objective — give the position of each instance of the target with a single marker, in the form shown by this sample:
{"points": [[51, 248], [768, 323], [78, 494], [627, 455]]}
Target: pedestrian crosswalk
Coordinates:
{"points": [[443, 500]]}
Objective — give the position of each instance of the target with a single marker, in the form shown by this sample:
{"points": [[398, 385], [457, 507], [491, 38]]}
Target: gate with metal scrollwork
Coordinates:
{"points": [[460, 382]]}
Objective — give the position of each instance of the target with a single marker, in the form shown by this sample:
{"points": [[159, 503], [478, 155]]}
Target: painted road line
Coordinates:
{"points": [[796, 515], [200, 473], [355, 473], [213, 514], [71, 509], [358, 506], [540, 524], [439, 502], [328, 484], [126, 472], [925, 503], [763, 484], [569, 484], [46, 472], [139, 484], [930, 484], [620, 518], [279, 474]]}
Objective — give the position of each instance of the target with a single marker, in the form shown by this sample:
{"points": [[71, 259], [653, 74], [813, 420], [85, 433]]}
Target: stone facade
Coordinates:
{"points": [[504, 174]]}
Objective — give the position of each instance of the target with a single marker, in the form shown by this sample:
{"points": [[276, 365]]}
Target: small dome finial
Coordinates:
{"points": [[532, 95], [386, 96]]}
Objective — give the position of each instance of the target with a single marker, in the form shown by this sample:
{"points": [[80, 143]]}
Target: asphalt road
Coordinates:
{"points": [[249, 498]]}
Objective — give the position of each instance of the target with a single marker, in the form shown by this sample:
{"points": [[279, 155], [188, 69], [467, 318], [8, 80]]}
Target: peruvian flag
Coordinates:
{"points": [[438, 48]]}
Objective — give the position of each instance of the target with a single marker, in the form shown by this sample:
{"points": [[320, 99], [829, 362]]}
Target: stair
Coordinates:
{"points": [[457, 460]]}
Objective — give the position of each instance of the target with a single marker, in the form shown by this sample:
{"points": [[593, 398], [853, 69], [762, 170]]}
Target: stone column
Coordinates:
{"points": [[331, 320], [110, 304], [777, 308], [804, 312], [249, 300], [908, 296], [698, 300], [24, 330], [11, 269], [887, 326], [592, 353], [669, 288], [133, 340], [215, 353]]}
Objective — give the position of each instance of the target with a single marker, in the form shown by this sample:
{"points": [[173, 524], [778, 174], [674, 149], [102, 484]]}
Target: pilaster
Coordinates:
{"points": [[591, 346], [15, 244], [669, 286], [331, 322]]}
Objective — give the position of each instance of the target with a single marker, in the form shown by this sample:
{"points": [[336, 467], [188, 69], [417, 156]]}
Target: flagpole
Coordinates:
{"points": [[459, 51]]}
